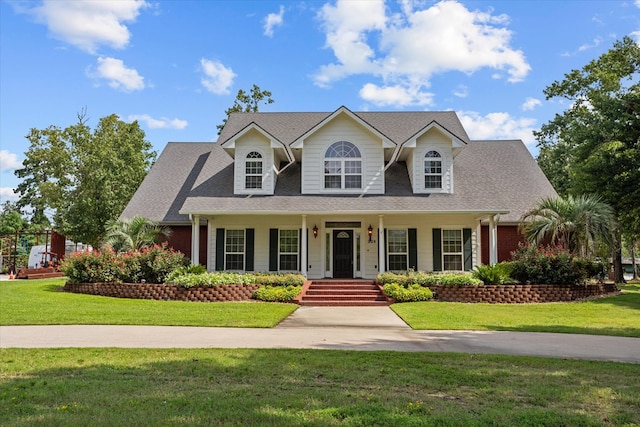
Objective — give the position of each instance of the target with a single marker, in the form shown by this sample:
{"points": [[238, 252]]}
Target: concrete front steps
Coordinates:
{"points": [[342, 292]]}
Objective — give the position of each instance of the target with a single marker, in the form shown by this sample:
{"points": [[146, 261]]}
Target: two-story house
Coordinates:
{"points": [[343, 194]]}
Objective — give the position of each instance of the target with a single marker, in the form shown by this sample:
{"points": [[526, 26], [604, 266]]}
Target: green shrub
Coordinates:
{"points": [[151, 265], [428, 279], [189, 269], [275, 279], [552, 265], [277, 293], [494, 274], [193, 278], [412, 293]]}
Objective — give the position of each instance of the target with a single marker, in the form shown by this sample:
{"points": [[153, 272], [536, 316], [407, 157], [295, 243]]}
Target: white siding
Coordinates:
{"points": [[424, 224], [254, 141], [432, 140], [342, 129]]}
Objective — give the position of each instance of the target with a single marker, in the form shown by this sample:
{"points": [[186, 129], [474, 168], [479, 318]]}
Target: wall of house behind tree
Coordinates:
{"points": [[180, 240], [508, 239]]}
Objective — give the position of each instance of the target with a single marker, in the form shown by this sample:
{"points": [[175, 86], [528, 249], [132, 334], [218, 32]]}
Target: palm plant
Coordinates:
{"points": [[575, 223], [134, 233]]}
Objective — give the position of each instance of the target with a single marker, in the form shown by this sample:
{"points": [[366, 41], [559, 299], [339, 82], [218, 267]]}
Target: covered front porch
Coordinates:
{"points": [[343, 245]]}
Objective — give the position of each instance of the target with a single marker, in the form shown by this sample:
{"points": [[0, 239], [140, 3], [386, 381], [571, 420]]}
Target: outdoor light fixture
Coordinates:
{"points": [[370, 231], [315, 231]]}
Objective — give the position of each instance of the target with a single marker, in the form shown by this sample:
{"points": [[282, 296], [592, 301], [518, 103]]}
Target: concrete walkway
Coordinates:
{"points": [[335, 328]]}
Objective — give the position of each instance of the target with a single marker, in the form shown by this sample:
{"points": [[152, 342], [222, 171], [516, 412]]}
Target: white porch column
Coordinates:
{"points": [[493, 240], [195, 239], [303, 250], [478, 251], [381, 243]]}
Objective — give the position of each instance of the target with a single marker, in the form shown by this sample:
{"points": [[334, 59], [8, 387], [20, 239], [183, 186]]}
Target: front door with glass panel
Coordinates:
{"points": [[343, 254]]}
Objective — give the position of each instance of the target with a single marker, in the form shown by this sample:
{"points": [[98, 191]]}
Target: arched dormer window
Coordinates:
{"points": [[343, 166], [432, 170], [253, 171]]}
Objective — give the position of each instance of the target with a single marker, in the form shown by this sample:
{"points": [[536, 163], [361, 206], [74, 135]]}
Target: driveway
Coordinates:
{"points": [[329, 328]]}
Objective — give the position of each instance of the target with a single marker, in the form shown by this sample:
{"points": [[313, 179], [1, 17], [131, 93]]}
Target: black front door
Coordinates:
{"points": [[343, 254]]}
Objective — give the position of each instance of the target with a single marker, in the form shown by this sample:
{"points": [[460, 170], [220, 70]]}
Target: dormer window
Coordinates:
{"points": [[343, 166], [432, 170], [253, 171]]}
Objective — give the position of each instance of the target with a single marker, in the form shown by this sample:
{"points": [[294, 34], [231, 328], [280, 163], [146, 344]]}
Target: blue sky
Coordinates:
{"points": [[175, 66]]}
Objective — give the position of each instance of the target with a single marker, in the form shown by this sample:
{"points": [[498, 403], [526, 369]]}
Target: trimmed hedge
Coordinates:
{"points": [[189, 280], [428, 279], [412, 293]]}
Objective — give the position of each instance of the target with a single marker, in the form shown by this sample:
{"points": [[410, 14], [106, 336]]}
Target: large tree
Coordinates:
{"points": [[247, 102], [594, 146], [84, 177]]}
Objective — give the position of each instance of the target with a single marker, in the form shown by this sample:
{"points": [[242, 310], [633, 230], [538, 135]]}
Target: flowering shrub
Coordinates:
{"points": [[551, 265], [428, 279], [151, 265]]}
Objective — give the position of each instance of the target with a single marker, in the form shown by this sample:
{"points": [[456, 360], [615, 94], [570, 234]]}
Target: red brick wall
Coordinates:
{"points": [[180, 240], [508, 239]]}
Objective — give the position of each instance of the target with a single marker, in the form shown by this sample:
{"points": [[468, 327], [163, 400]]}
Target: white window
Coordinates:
{"points": [[288, 250], [397, 249], [234, 250], [253, 171], [343, 166], [452, 250], [432, 170]]}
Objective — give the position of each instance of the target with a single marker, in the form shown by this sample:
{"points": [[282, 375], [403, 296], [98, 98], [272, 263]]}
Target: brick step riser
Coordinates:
{"points": [[342, 297], [344, 303], [342, 292], [314, 286]]}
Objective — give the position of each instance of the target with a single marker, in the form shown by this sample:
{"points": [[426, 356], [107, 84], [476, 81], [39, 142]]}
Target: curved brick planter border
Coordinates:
{"points": [[520, 294], [220, 293]]}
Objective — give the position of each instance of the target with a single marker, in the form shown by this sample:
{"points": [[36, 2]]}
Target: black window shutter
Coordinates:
{"points": [[273, 249], [299, 249], [466, 249], [219, 249], [437, 249], [248, 251], [413, 249]]}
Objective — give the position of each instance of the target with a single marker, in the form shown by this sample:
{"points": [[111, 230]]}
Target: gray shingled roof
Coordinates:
{"points": [[397, 126], [489, 176]]}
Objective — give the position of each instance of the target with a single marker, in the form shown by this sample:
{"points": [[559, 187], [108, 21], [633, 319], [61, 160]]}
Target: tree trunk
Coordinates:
{"points": [[618, 273]]}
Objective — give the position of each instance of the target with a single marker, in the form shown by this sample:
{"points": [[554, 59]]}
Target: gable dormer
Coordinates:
{"points": [[343, 154], [429, 156], [257, 158]]}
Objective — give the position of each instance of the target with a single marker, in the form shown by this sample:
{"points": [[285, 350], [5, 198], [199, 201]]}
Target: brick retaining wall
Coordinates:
{"points": [[504, 294], [220, 293], [519, 294]]}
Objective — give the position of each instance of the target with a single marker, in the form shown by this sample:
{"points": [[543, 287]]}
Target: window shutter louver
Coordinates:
{"points": [[467, 249], [273, 249], [220, 249], [249, 249], [437, 249]]}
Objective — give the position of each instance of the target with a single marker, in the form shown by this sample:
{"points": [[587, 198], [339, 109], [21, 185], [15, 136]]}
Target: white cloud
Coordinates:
{"points": [[587, 46], [7, 194], [409, 47], [89, 24], [397, 96], [161, 123], [273, 20], [530, 104], [217, 78], [9, 161], [117, 74], [461, 91], [498, 126]]}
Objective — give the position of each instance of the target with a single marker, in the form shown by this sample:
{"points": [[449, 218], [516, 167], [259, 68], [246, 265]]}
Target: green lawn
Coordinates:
{"points": [[242, 387], [40, 302], [616, 315]]}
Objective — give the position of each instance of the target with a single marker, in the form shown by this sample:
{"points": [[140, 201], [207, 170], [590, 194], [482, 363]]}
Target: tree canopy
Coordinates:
{"points": [[594, 145], [247, 102], [84, 177]]}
